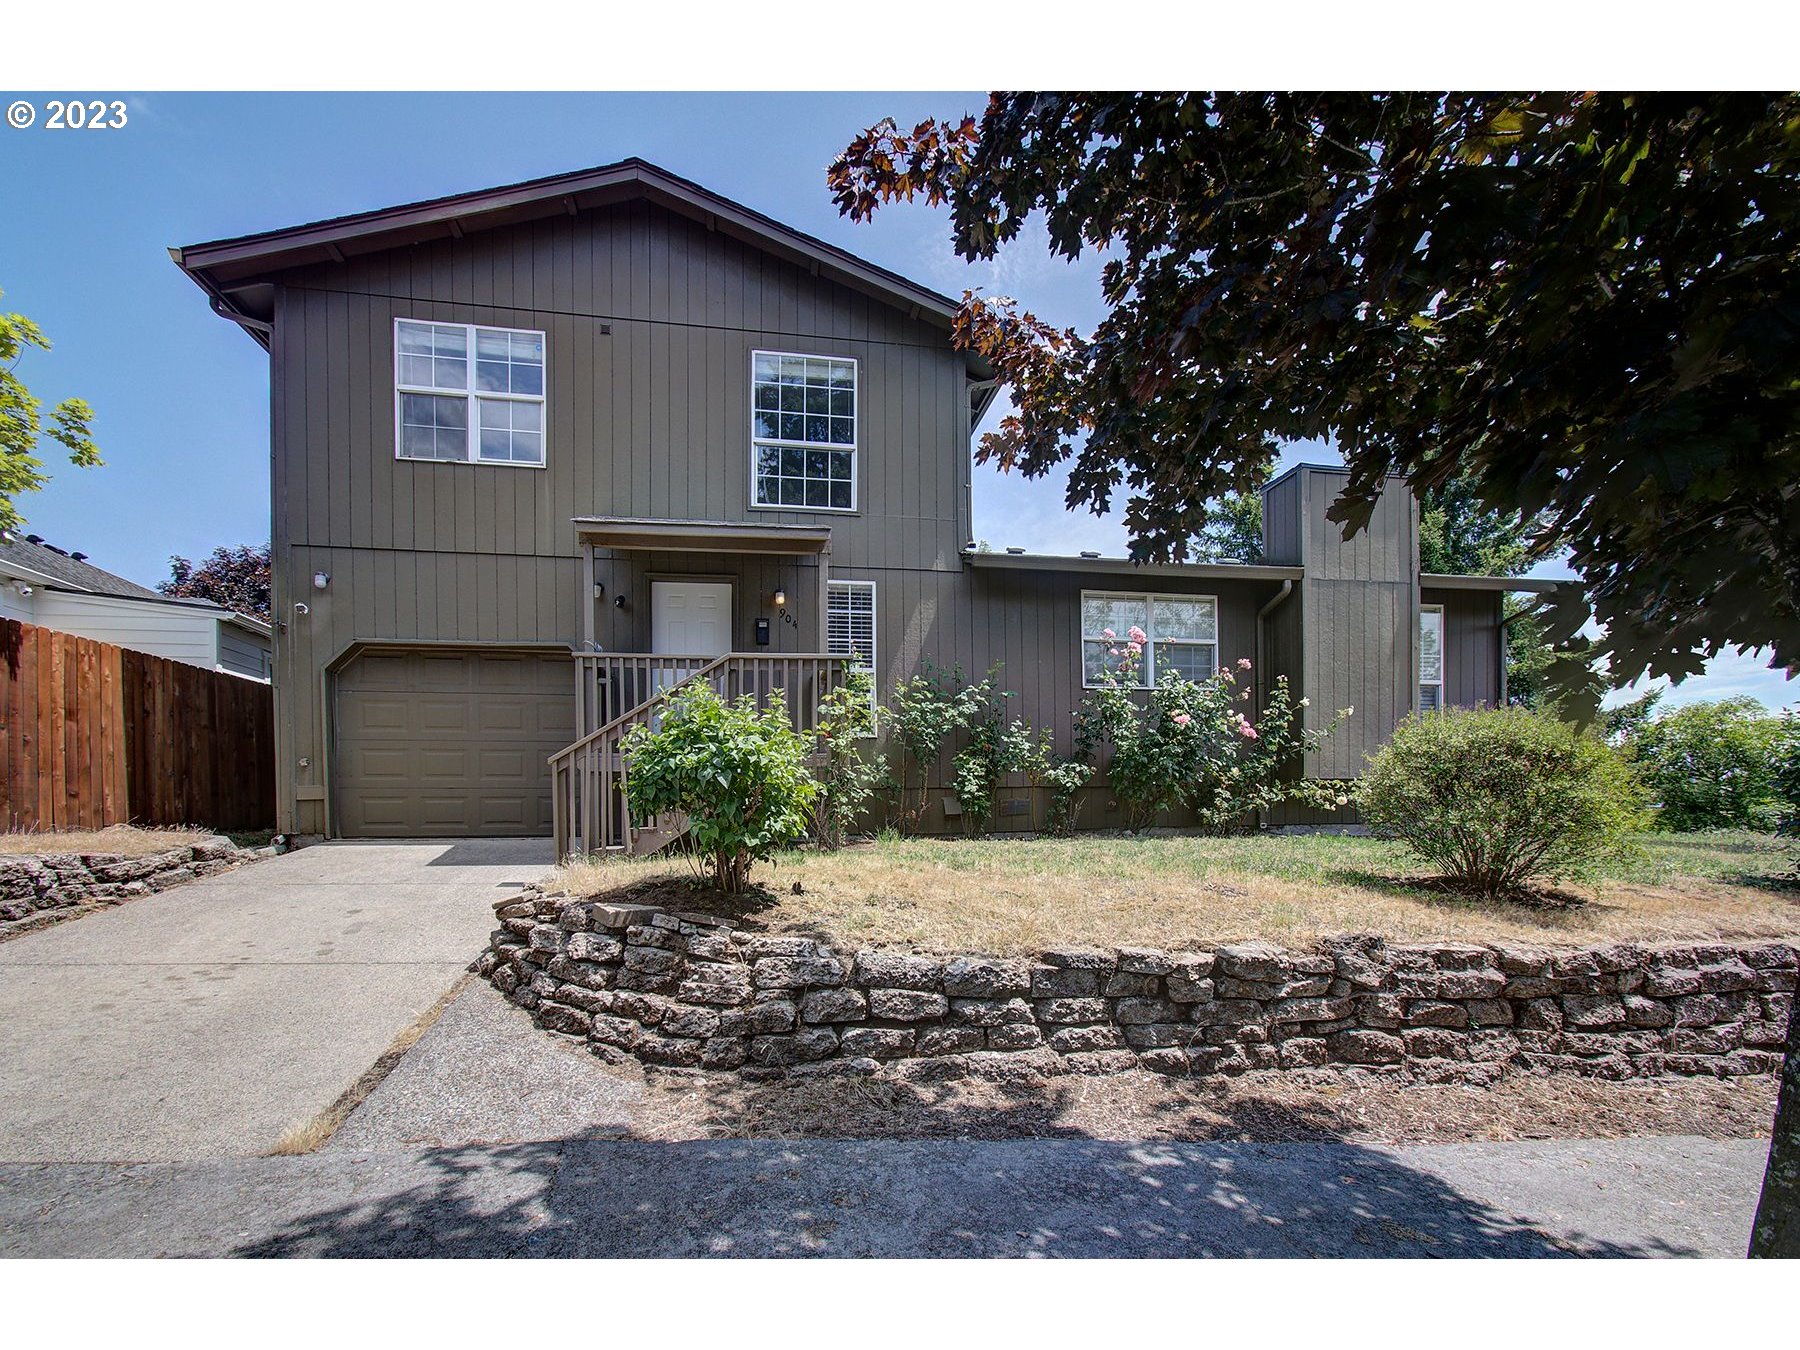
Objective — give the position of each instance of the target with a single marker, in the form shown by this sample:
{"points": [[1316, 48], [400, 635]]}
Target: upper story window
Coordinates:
{"points": [[1181, 634], [1431, 658], [469, 393], [803, 431]]}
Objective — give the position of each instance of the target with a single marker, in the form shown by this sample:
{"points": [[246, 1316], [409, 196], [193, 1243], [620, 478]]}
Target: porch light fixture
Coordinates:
{"points": [[619, 602], [780, 598], [321, 580]]}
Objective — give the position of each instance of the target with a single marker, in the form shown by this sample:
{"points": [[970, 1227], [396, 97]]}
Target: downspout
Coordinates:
{"points": [[1261, 645], [1287, 589]]}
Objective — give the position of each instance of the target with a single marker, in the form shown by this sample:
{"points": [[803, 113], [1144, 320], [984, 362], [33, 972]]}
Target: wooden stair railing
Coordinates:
{"points": [[588, 778]]}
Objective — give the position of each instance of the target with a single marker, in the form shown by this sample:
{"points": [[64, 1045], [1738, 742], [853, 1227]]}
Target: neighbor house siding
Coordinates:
{"points": [[1471, 646], [174, 631], [242, 652], [650, 320]]}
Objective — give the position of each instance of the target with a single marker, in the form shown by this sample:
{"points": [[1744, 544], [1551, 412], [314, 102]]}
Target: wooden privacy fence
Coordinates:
{"points": [[95, 735]]}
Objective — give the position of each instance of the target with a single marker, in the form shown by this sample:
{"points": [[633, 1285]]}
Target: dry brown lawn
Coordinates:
{"points": [[1270, 1106], [1023, 896], [127, 840]]}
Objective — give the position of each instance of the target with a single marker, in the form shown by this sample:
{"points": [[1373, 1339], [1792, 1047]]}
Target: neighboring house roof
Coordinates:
{"points": [[30, 556], [235, 272], [31, 559]]}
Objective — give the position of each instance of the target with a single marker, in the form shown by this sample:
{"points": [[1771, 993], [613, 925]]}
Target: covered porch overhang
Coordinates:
{"points": [[621, 534]]}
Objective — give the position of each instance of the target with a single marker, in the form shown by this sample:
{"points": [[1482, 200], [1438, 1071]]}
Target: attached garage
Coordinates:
{"points": [[448, 743]]}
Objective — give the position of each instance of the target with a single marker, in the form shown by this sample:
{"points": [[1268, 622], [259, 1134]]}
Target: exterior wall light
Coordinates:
{"points": [[321, 580], [780, 598]]}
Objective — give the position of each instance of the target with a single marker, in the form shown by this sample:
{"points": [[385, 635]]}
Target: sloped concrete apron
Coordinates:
{"points": [[691, 991]]}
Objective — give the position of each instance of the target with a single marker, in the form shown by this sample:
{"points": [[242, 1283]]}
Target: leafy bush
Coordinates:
{"points": [[1712, 766], [1496, 797], [928, 710], [848, 716], [738, 775], [995, 749], [1191, 744], [1059, 779]]}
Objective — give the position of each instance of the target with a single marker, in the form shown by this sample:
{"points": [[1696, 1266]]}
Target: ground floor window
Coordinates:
{"points": [[1431, 658], [850, 627], [1181, 634]]}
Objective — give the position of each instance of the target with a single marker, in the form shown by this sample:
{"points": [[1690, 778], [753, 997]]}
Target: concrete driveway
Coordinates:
{"points": [[205, 1021]]}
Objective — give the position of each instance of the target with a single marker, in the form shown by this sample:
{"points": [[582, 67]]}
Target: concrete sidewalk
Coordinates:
{"points": [[629, 1198], [205, 1021]]}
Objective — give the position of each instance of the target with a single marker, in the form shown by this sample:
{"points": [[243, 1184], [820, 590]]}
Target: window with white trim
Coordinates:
{"points": [[803, 431], [850, 627], [464, 393], [1181, 635], [1431, 658]]}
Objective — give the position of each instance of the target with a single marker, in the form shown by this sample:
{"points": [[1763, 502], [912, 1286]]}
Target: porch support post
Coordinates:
{"points": [[821, 641]]}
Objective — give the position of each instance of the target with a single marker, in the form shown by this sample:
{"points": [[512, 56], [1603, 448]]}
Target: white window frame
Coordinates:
{"points": [[1147, 676], [869, 663], [855, 446], [471, 396], [1420, 682]]}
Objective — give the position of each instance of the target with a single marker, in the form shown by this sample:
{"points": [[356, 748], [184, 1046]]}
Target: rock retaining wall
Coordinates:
{"points": [[38, 889], [687, 990]]}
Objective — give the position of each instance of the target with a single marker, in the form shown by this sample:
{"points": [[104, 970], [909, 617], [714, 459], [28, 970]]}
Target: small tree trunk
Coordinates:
{"points": [[1777, 1228]]}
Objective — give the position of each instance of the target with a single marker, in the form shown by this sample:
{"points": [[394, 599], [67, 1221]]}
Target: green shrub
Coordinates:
{"points": [[928, 711], [1059, 779], [1713, 766], [738, 775], [848, 718], [1196, 745], [1496, 797]]}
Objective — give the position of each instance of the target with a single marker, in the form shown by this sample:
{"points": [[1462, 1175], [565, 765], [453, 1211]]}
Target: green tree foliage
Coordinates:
{"points": [[237, 578], [848, 720], [1233, 529], [1713, 766], [1580, 304], [739, 776], [23, 428], [1498, 797]]}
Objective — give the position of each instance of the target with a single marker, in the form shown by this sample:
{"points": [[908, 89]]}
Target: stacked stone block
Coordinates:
{"points": [[692, 991], [45, 888]]}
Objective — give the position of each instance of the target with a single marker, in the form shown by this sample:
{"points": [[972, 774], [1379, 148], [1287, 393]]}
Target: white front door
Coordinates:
{"points": [[690, 618]]}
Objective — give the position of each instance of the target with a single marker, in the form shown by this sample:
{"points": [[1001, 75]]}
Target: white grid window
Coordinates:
{"points": [[803, 431], [850, 627], [1181, 636], [1431, 658], [467, 393]]}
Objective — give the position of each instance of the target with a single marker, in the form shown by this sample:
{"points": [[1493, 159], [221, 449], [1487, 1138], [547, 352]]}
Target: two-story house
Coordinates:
{"points": [[541, 451]]}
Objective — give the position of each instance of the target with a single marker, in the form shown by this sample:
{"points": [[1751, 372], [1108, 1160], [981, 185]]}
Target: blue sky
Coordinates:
{"points": [[182, 396]]}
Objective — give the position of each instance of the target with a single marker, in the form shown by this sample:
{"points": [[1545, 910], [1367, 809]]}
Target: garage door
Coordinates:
{"points": [[449, 743]]}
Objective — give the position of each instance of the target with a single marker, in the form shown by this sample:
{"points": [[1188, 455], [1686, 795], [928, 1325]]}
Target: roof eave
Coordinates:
{"points": [[220, 264], [1446, 581], [1051, 562]]}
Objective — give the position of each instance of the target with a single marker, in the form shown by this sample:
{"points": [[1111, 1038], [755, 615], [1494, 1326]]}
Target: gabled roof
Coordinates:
{"points": [[34, 558], [235, 272]]}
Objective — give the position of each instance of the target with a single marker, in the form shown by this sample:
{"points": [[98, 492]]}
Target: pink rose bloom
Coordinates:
{"points": [[1136, 634], [1182, 719], [1243, 663], [1136, 648], [1108, 634], [1247, 731]]}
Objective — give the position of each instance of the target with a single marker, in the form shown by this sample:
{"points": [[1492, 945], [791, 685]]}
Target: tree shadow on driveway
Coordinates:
{"points": [[1045, 1196]]}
